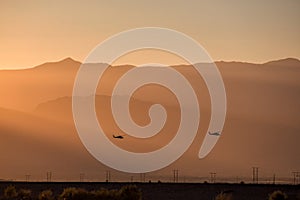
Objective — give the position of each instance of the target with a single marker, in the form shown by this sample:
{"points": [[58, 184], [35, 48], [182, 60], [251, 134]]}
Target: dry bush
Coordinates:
{"points": [[46, 195], [278, 195]]}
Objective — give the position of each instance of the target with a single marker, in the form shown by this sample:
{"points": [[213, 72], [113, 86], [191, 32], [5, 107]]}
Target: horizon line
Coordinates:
{"points": [[131, 64]]}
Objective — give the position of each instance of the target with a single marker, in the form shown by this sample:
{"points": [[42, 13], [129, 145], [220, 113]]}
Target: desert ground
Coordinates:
{"points": [[174, 191]]}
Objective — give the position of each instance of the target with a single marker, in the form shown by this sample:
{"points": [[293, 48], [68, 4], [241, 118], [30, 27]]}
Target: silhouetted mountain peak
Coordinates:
{"points": [[67, 63], [68, 60]]}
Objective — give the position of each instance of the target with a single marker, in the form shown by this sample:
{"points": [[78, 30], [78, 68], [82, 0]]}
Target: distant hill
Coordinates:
{"points": [[288, 62], [262, 124]]}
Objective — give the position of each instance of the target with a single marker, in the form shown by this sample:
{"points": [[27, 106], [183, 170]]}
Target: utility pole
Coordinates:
{"points": [[175, 175], [255, 175], [49, 176], [81, 177], [27, 177], [213, 177], [142, 177], [296, 177], [107, 176], [274, 179]]}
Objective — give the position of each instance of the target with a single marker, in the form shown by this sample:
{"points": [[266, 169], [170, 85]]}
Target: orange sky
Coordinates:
{"points": [[33, 32]]}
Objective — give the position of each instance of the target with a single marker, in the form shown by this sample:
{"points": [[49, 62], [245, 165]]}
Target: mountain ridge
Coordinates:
{"points": [[262, 112], [289, 61], [70, 61]]}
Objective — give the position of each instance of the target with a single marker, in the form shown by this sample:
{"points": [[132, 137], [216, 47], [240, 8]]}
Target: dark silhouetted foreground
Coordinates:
{"points": [[145, 191]]}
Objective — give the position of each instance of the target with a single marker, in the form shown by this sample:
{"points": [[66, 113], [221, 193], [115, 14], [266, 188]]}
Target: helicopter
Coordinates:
{"points": [[118, 136], [214, 133]]}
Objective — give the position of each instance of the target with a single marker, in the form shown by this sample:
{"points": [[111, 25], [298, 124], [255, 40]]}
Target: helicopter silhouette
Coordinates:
{"points": [[118, 136], [214, 133]]}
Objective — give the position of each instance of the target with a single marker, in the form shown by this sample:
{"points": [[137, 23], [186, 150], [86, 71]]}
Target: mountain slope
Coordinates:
{"points": [[261, 128]]}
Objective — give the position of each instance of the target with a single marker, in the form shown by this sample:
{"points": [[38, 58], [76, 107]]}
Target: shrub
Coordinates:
{"points": [[46, 195], [278, 195], [10, 192], [24, 194], [75, 194], [227, 195], [105, 194], [130, 192]]}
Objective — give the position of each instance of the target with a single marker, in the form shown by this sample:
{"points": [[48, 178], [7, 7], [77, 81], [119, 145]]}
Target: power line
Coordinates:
{"points": [[255, 175], [213, 177], [175, 175], [142, 177], [131, 179], [296, 177], [81, 177], [274, 179], [108, 176], [49, 176], [27, 177]]}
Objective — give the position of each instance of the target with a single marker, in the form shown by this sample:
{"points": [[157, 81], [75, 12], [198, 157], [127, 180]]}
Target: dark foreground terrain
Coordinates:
{"points": [[158, 191]]}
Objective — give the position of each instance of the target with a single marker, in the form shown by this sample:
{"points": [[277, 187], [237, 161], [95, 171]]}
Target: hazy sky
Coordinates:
{"points": [[33, 32]]}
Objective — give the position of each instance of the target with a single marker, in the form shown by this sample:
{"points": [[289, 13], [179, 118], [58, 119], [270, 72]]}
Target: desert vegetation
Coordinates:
{"points": [[278, 195], [127, 192]]}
